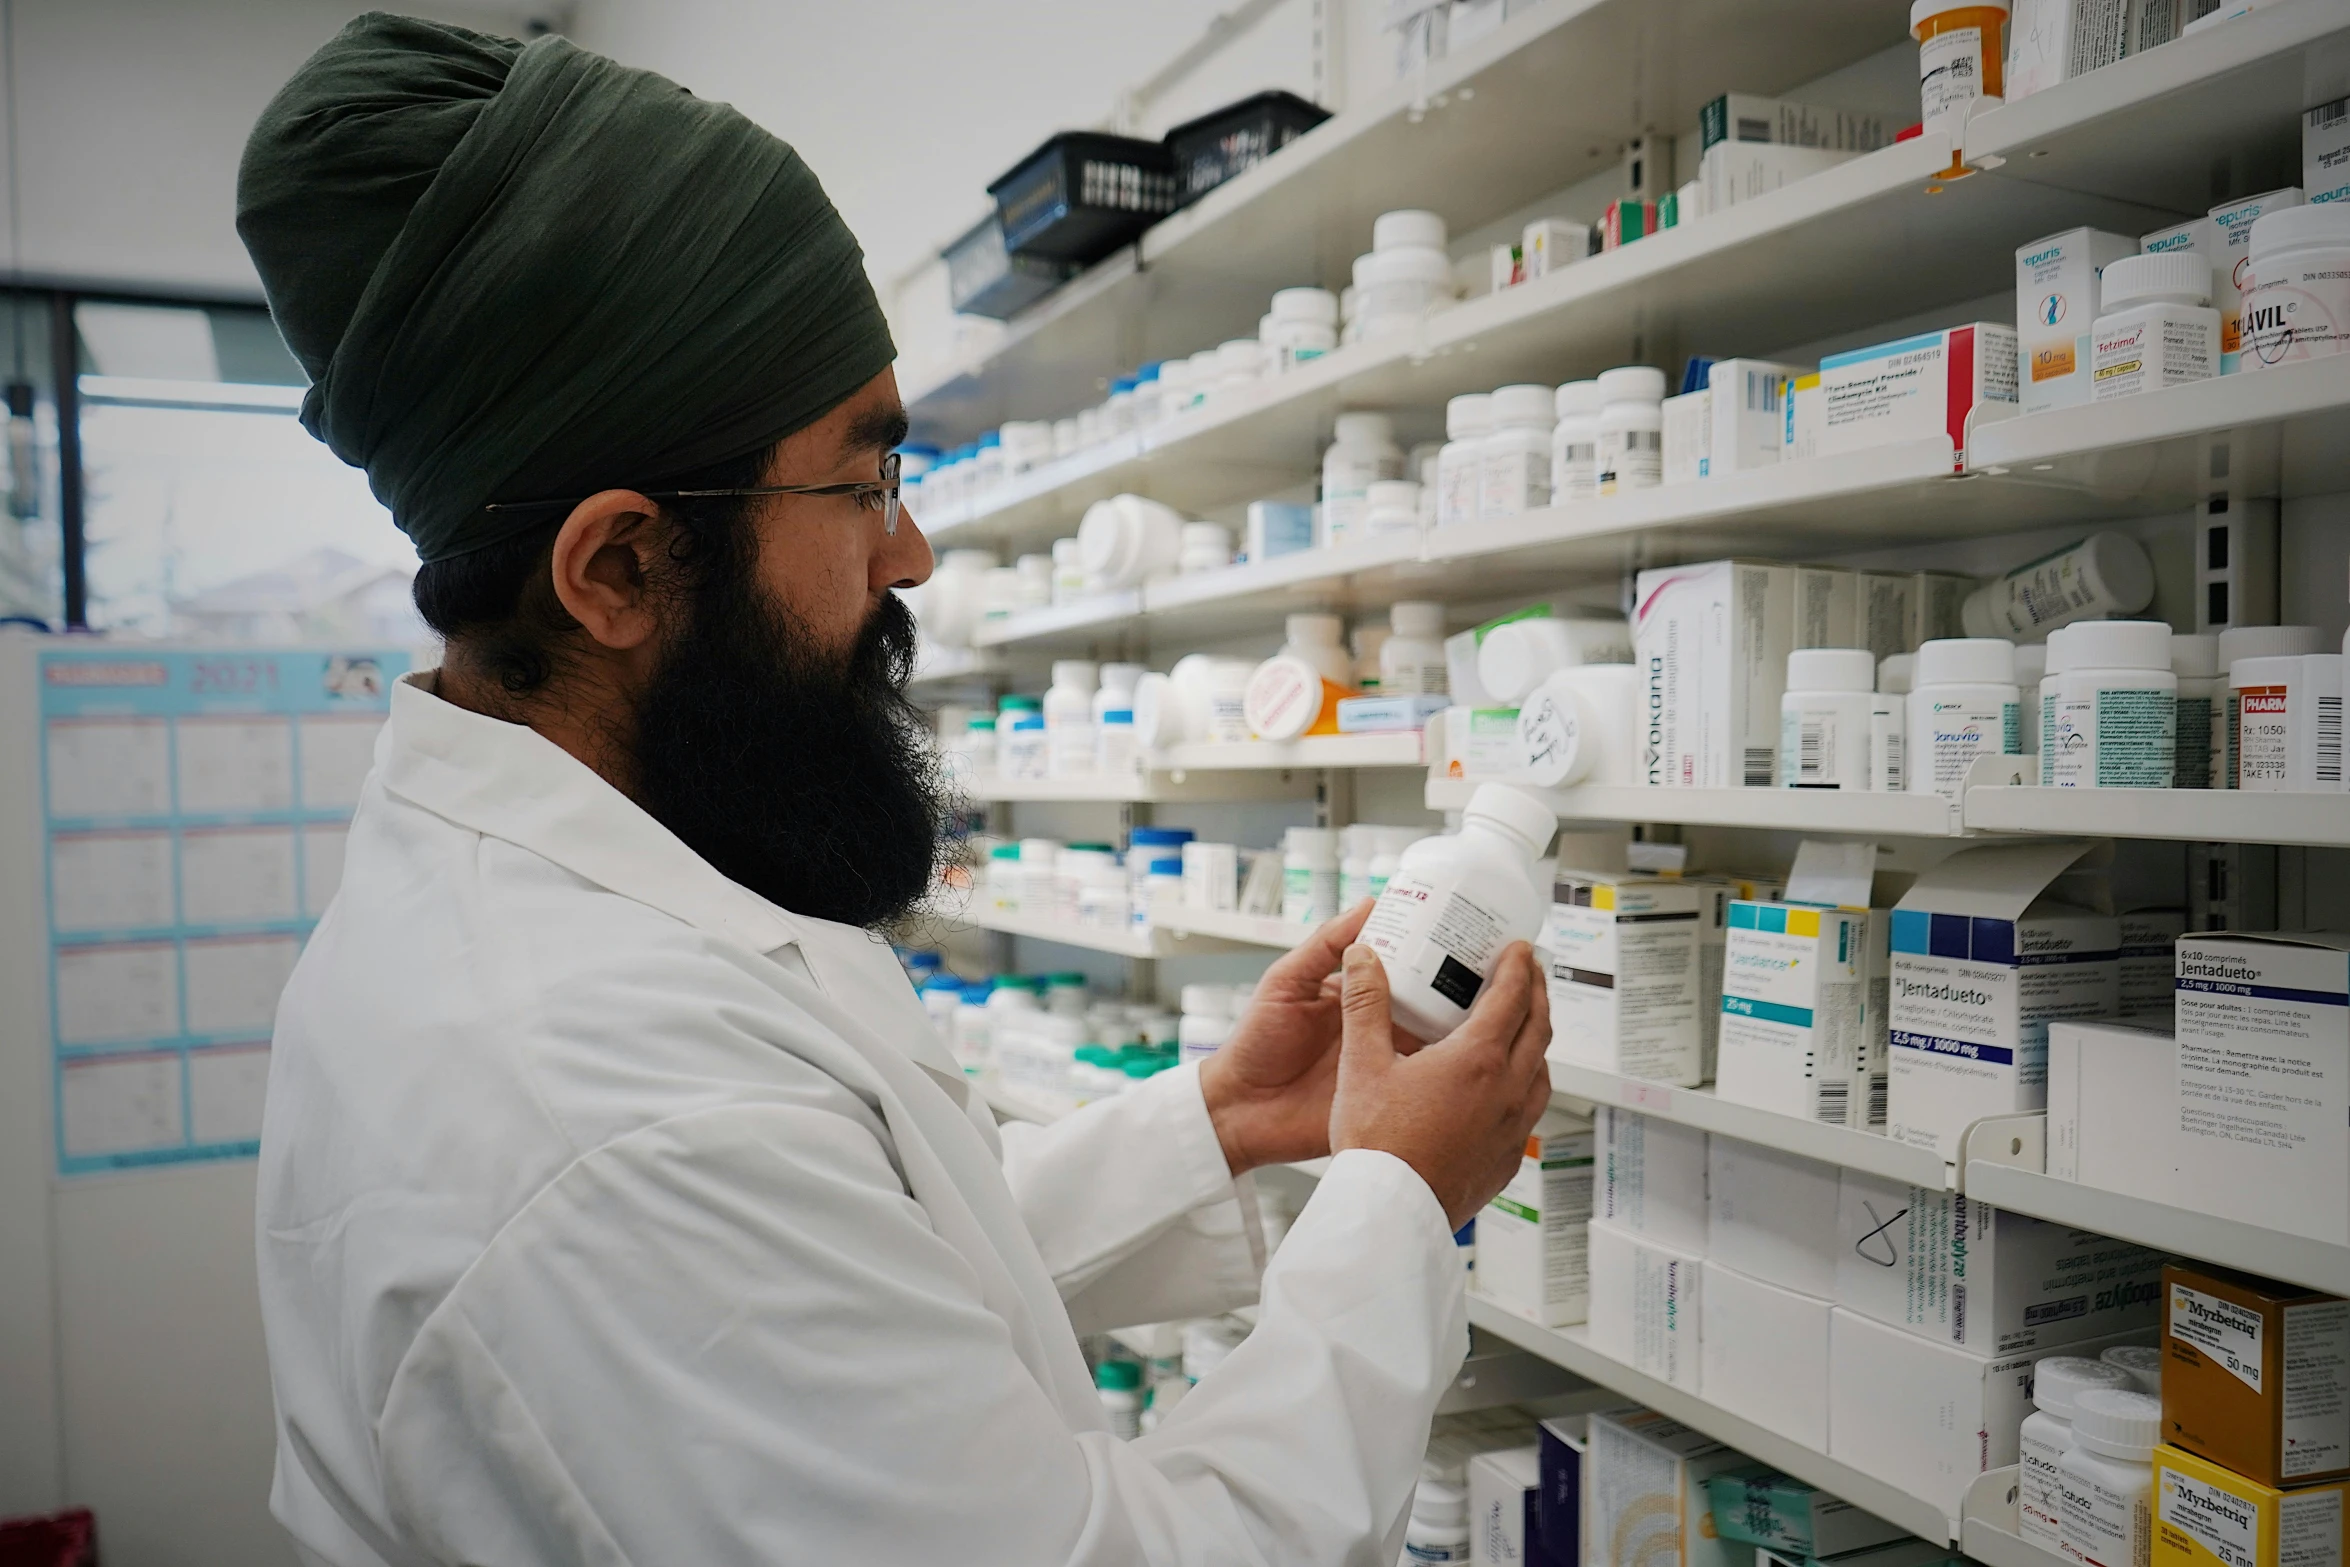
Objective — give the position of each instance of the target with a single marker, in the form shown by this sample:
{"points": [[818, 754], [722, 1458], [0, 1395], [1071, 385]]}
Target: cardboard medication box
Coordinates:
{"points": [[1982, 963], [2056, 300], [2208, 1516], [1564, 1444], [1961, 1272], [1624, 963], [1652, 1178], [1647, 1305], [2148, 958], [1756, 1505], [1763, 1355], [2264, 1079], [1688, 437], [1711, 642], [1646, 1502], [1720, 892], [1532, 1254], [2256, 1375], [1772, 1216], [2325, 152], [2113, 1120], [1937, 383], [1749, 413], [1504, 1489], [1794, 1024]]}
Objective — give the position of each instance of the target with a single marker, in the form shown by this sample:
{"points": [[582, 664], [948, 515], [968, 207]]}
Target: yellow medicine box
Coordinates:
{"points": [[2206, 1516]]}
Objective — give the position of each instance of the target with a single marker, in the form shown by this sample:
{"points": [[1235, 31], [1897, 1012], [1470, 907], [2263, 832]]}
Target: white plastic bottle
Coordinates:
{"points": [[2203, 702], [1515, 457], [1393, 509], [1127, 539], [1824, 718], [1115, 688], [1454, 902], [1897, 673], [1068, 570], [1298, 689], [1387, 846], [2105, 574], [1411, 660], [1438, 1533], [2288, 724], [1119, 1385], [1574, 442], [2108, 1478], [1207, 1021], [2055, 657], [2236, 644], [1362, 452], [1577, 726], [2298, 303], [1021, 747], [1631, 429], [2142, 1361], [2031, 667], [1068, 718], [1356, 844], [1207, 546], [1366, 640], [2116, 707], [1309, 875], [1304, 327], [2046, 1435], [1963, 706], [2155, 325], [1468, 419], [1518, 655]]}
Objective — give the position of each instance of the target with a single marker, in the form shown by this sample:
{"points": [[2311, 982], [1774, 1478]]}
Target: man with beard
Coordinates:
{"points": [[617, 1201]]}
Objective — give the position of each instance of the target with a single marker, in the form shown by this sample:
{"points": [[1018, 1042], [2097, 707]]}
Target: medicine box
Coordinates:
{"points": [[1794, 1015], [1490, 748], [1720, 891], [1652, 1178], [2325, 152], [1772, 1215], [2055, 304], [2194, 234], [1711, 642], [1552, 245], [2053, 41], [1503, 1487], [1387, 714], [1731, 172], [1646, 1504], [1751, 118], [1278, 528], [1827, 607], [2231, 223], [2113, 1114], [1532, 1257], [1749, 414], [1937, 383], [1805, 418], [1763, 1352], [1647, 1303], [2209, 1516], [1688, 437], [1564, 1445], [1757, 1505], [1888, 613], [2263, 1080], [2256, 1375], [1941, 600], [1623, 958], [1982, 963], [2149, 953]]}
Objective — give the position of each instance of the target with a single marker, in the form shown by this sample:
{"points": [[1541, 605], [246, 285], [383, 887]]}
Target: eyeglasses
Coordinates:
{"points": [[879, 496]]}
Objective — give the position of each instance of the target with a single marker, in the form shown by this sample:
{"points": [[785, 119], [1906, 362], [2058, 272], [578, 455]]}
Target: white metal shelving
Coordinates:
{"points": [[1080, 619], [1987, 1525], [1152, 784], [1094, 938], [1402, 748], [2193, 815], [1818, 811], [1248, 930]]}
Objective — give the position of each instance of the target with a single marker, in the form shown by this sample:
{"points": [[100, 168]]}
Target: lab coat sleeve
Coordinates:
{"points": [[1135, 1209], [734, 1337]]}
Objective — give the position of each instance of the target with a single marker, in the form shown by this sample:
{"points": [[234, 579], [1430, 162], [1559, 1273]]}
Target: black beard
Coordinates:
{"points": [[807, 777]]}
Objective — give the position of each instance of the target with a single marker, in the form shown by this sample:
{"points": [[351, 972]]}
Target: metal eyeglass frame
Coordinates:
{"points": [[886, 487]]}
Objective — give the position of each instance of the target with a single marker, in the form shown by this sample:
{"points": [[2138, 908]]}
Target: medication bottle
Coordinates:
{"points": [[1396, 289], [1439, 1529], [1115, 749], [2108, 1478], [2116, 707], [1411, 660], [1116, 688], [2242, 642], [2156, 327], [1516, 456], [1002, 884], [978, 746], [1825, 717], [1068, 571], [2297, 302], [1518, 655], [1119, 1384], [2194, 659], [1388, 844], [1304, 327], [1576, 727], [1631, 429], [2287, 723], [1962, 58], [1897, 673], [1362, 452], [1211, 877], [1127, 539], [1022, 745], [1574, 442], [1207, 546], [1889, 740], [2055, 656], [1148, 396], [1366, 641], [1460, 466], [1145, 848], [1297, 691], [1068, 718], [1454, 902], [1393, 509], [1034, 574], [1309, 875], [2142, 1361], [1207, 1021], [2105, 574], [2047, 1434], [1964, 706], [2031, 667]]}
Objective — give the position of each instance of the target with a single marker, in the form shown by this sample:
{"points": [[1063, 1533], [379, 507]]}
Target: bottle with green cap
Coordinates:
{"points": [[1119, 1385]]}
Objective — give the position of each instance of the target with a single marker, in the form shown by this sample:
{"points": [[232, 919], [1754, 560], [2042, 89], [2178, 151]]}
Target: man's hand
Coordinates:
{"points": [[1268, 1089]]}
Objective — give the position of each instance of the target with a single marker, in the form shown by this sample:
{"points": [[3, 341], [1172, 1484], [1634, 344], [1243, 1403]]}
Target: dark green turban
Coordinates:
{"points": [[522, 271]]}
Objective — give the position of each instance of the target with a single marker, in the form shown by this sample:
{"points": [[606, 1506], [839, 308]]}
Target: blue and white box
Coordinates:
{"points": [[1794, 1012]]}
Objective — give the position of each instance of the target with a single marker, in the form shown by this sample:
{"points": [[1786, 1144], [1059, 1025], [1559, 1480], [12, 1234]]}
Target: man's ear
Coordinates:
{"points": [[602, 562]]}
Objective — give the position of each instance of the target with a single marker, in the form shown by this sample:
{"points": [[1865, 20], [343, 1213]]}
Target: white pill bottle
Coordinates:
{"points": [[1578, 727], [1574, 442], [1362, 452], [1631, 429], [1963, 706], [2297, 302], [1825, 717], [1515, 458], [2047, 1435], [2107, 1477], [2117, 707], [1454, 902], [2203, 704], [1460, 466]]}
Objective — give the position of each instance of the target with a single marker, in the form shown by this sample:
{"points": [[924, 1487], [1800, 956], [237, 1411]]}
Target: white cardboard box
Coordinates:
{"points": [[1749, 413], [1532, 1255], [1647, 1505], [1720, 890], [2325, 151], [1688, 437], [1765, 1355], [1652, 1178], [1794, 1012], [1772, 1215], [2149, 958], [1624, 959], [1827, 606], [1503, 1486], [2113, 1116], [1732, 171], [1958, 1271], [2056, 297], [1712, 641], [1936, 383], [1647, 1305]]}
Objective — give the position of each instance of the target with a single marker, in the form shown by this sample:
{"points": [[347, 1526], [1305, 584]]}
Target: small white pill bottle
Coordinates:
{"points": [[1824, 718], [1454, 902], [2203, 704], [2156, 327], [2117, 719], [2142, 1361], [2107, 1477], [2235, 644], [1963, 706], [2031, 667], [2041, 714], [1304, 326], [2046, 1436], [1631, 429], [1068, 717], [1460, 466], [2297, 298], [1411, 660], [1439, 1528], [2105, 574], [1118, 1383], [1515, 458], [1362, 452], [1393, 510], [1574, 442], [1309, 875]]}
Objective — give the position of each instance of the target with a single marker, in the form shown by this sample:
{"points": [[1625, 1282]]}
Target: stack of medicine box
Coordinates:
{"points": [[1794, 1522], [1648, 1246], [1533, 1253]]}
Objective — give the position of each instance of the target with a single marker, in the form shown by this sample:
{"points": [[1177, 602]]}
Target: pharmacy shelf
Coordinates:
{"points": [[1205, 606], [1401, 748], [1246, 930], [2194, 815], [2228, 1242], [1150, 785], [1068, 933], [1817, 811], [935, 665], [1081, 621], [1571, 1348], [1838, 1145], [1987, 1525]]}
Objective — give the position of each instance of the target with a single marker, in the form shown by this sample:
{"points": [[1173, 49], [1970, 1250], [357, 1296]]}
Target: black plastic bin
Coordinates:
{"points": [[1083, 194], [1236, 138], [985, 279]]}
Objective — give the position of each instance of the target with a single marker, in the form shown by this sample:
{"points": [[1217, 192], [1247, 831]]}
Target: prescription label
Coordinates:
{"points": [[1950, 76], [2309, 1529], [2317, 1388], [2225, 1525], [2228, 1334], [1462, 941]]}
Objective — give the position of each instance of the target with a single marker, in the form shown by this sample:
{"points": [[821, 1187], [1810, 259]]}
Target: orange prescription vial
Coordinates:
{"points": [[1962, 55]]}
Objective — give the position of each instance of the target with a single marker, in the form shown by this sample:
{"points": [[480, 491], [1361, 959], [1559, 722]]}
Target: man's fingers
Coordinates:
{"points": [[1299, 972], [1365, 1037], [1500, 1008], [1533, 1037]]}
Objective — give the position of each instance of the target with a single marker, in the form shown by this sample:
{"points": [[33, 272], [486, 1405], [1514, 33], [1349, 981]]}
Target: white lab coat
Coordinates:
{"points": [[609, 1213]]}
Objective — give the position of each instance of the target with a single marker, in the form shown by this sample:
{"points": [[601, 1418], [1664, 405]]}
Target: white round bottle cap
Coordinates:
{"points": [[1311, 842], [1632, 384], [1515, 812], [1524, 405], [1121, 677], [1518, 655], [2060, 1380], [1440, 1505], [2058, 654], [1316, 305], [1244, 354], [1426, 265], [2115, 1424], [1920, 10], [2142, 1361], [1282, 698], [1314, 629], [1469, 414], [1417, 617], [2327, 223], [1831, 669], [1083, 673], [1897, 673], [1207, 535], [2284, 669], [1578, 400], [1392, 495], [1407, 226], [2121, 563], [1966, 661], [1363, 429], [2265, 642], [2118, 644], [2164, 273], [2031, 662], [2193, 656]]}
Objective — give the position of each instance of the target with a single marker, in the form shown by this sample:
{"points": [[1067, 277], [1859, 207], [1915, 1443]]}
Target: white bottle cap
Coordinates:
{"points": [[1314, 630], [1632, 384], [1440, 1505], [2142, 1361], [1240, 356], [1392, 495], [1207, 536], [2265, 642], [1578, 400], [1921, 9], [1202, 1001], [2113, 1424], [1407, 226], [1515, 657], [1831, 669], [1121, 677], [2193, 656], [1417, 617], [1426, 265], [1068, 551], [1897, 673], [2058, 656], [1523, 405], [1966, 661], [2327, 223], [2060, 1380], [1083, 673], [2285, 669], [1316, 305], [2031, 662], [1362, 429], [1311, 843], [1514, 812], [1469, 414], [2165, 274], [2118, 644]]}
